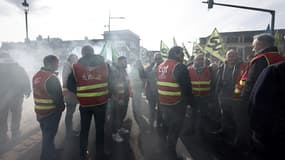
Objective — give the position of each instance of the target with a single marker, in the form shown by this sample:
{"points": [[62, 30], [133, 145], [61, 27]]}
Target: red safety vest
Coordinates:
{"points": [[200, 83], [92, 84], [240, 80], [169, 90], [43, 102], [271, 58]]}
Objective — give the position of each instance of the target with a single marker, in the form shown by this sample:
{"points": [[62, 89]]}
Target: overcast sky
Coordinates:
{"points": [[152, 20]]}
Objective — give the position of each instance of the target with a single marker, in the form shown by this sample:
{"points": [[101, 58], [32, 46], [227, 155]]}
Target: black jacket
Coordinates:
{"points": [[225, 81], [181, 76], [255, 69], [267, 106], [14, 82]]}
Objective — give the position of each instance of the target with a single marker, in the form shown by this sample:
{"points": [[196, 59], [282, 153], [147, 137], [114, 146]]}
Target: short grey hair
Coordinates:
{"points": [[265, 39]]}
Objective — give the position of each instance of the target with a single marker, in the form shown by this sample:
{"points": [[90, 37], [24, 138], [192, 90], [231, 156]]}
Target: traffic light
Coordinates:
{"points": [[210, 4]]}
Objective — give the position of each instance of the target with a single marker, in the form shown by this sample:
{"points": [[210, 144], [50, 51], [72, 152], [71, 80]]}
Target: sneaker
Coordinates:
{"points": [[123, 131], [84, 155], [117, 138]]}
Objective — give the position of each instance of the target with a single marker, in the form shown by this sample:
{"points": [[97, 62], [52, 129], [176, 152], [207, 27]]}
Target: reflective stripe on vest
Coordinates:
{"points": [[92, 94], [168, 84], [270, 57], [92, 86], [168, 90], [238, 87], [200, 83], [240, 80], [168, 93], [43, 102]]}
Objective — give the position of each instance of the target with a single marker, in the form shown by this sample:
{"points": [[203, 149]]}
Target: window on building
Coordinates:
{"points": [[239, 50], [232, 39], [247, 52], [248, 39]]}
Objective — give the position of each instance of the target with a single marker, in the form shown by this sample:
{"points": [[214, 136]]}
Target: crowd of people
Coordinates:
{"points": [[230, 100], [241, 101]]}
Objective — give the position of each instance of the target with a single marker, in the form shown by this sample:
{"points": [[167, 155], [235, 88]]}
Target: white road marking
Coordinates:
{"points": [[146, 119], [182, 151]]}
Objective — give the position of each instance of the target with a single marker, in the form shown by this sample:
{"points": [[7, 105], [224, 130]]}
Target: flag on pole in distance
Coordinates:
{"points": [[104, 49], [197, 49], [115, 54], [174, 42], [187, 55], [164, 49], [215, 46]]}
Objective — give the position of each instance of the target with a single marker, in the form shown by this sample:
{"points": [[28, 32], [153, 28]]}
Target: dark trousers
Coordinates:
{"points": [[273, 149], [86, 114], [243, 131], [14, 105], [49, 126], [228, 124], [71, 103], [118, 114], [172, 119], [199, 115]]}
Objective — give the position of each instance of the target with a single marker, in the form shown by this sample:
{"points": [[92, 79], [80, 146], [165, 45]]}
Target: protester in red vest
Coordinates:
{"points": [[175, 93], [90, 82], [202, 81], [49, 104], [265, 54]]}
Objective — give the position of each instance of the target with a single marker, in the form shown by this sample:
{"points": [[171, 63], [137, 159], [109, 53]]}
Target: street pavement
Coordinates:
{"points": [[143, 143], [28, 146]]}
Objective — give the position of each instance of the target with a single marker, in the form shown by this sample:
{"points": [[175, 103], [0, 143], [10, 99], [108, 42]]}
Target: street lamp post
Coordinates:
{"points": [[109, 22], [272, 12], [26, 10]]}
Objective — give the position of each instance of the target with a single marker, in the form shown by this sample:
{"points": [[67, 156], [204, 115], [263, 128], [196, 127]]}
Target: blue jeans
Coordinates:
{"points": [[49, 126], [71, 103]]}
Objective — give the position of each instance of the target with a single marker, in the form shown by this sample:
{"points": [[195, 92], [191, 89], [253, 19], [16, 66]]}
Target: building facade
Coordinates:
{"points": [[126, 42], [242, 41]]}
